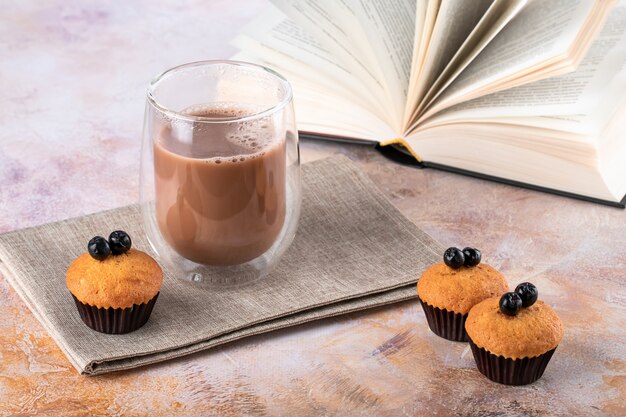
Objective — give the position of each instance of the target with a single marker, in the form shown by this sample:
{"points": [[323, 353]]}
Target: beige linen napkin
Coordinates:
{"points": [[353, 250]]}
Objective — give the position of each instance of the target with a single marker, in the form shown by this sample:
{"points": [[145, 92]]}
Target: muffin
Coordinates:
{"points": [[514, 336], [448, 290], [114, 286]]}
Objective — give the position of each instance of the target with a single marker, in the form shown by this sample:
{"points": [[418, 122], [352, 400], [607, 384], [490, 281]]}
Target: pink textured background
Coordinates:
{"points": [[72, 81]]}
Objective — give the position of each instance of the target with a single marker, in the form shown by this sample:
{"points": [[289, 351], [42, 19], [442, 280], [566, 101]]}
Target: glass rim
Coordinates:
{"points": [[178, 115]]}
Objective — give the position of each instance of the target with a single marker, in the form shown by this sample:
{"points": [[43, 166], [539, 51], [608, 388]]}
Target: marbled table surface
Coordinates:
{"points": [[72, 81]]}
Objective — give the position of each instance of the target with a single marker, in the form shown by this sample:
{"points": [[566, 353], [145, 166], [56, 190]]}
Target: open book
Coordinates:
{"points": [[532, 92]]}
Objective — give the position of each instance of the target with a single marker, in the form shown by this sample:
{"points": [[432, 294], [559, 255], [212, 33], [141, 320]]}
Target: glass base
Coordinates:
{"points": [[209, 276], [227, 276]]}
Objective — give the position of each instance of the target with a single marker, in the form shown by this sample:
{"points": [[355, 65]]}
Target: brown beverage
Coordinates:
{"points": [[220, 187]]}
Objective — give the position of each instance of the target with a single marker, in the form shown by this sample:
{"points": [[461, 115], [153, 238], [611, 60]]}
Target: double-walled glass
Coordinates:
{"points": [[220, 170]]}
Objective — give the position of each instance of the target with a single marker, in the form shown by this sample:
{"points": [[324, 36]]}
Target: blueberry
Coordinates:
{"points": [[510, 303], [472, 256], [119, 241], [528, 293], [454, 258], [99, 248]]}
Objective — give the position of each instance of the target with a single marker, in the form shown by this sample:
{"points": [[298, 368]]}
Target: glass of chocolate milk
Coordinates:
{"points": [[220, 171]]}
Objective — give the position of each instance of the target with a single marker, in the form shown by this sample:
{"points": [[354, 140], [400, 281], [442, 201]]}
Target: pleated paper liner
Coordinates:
{"points": [[444, 323], [509, 371], [115, 320]]}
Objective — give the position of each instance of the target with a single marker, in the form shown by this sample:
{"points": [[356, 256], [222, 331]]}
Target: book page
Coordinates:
{"points": [[370, 37], [613, 155], [531, 156], [425, 16], [277, 31], [278, 40], [334, 25], [494, 20], [592, 91], [321, 105], [541, 33], [455, 20], [390, 30]]}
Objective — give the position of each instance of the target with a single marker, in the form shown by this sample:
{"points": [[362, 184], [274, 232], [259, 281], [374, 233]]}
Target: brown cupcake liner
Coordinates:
{"points": [[509, 371], [115, 320], [444, 323]]}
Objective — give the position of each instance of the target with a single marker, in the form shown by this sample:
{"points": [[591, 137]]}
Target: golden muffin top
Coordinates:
{"points": [[531, 332], [118, 281], [458, 290]]}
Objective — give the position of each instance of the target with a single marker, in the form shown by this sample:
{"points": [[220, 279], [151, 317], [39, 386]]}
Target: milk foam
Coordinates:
{"points": [[255, 136]]}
